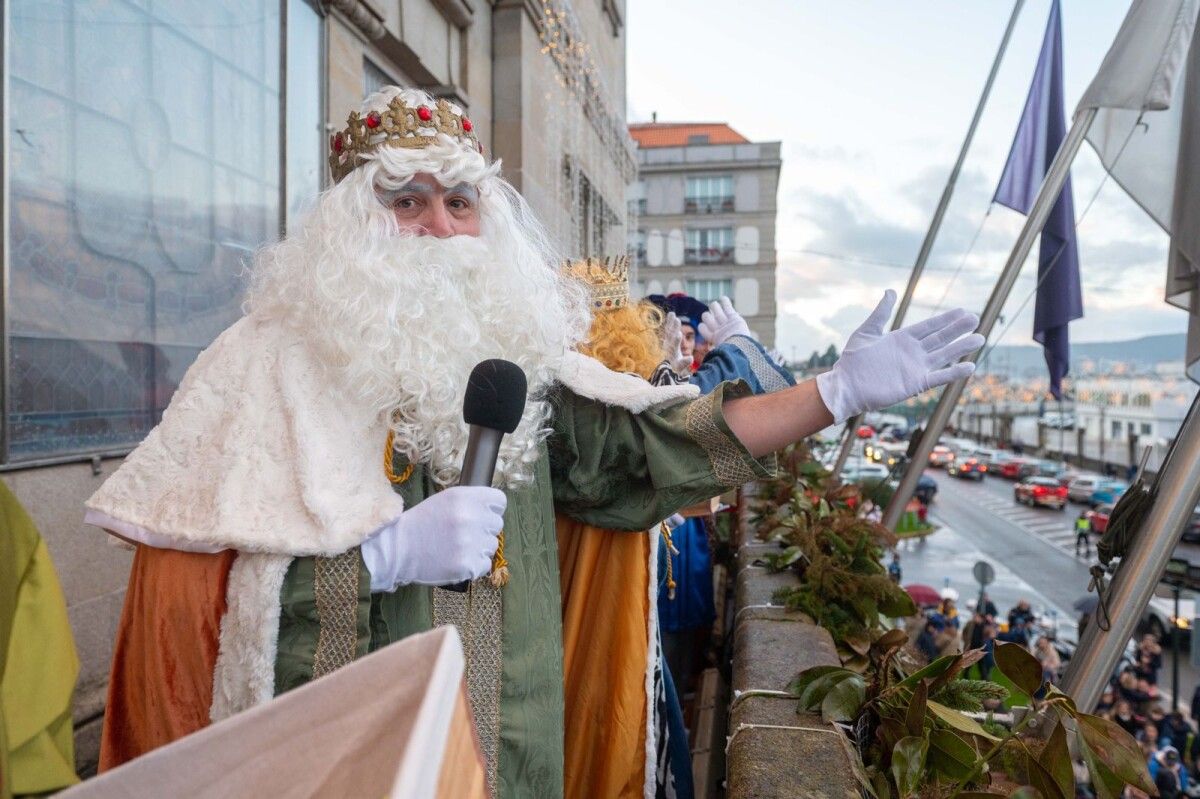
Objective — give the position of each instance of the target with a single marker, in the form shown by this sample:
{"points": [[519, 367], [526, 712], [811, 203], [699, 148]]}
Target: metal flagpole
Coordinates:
{"points": [[1141, 568], [938, 215], [1047, 196]]}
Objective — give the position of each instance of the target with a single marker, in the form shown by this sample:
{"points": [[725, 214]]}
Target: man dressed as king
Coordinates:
{"points": [[298, 505]]}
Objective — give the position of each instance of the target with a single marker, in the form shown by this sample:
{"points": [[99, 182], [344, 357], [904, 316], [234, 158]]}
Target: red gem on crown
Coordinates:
{"points": [[372, 120], [424, 114], [337, 143], [467, 126]]}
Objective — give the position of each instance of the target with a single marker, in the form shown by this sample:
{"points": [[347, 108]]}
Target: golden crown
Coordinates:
{"points": [[607, 279], [398, 125]]}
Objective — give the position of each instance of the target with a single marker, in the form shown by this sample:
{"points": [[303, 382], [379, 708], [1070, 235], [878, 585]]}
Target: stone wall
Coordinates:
{"points": [[774, 750]]}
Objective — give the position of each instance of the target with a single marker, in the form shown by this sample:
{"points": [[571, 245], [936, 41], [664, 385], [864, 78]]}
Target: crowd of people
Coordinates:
{"points": [[1132, 701]]}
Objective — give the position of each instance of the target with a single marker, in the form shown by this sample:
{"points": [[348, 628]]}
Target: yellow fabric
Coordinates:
{"points": [[604, 577], [40, 665]]}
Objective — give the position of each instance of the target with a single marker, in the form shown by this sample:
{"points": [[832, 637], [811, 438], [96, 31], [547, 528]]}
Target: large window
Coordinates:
{"points": [[305, 139], [709, 290], [144, 166], [708, 194], [709, 245]]}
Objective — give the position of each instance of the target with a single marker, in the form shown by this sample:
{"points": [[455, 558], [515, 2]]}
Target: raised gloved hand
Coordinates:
{"points": [[672, 335], [878, 369], [720, 322], [446, 538]]}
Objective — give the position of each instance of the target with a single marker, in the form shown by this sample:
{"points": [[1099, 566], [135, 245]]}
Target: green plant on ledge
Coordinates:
{"points": [[843, 584], [908, 735]]}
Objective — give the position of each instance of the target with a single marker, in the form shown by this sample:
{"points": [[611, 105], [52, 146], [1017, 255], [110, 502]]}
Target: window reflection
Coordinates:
{"points": [[144, 169]]}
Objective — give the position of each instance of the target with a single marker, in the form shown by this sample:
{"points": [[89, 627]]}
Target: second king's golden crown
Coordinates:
{"points": [[607, 280]]}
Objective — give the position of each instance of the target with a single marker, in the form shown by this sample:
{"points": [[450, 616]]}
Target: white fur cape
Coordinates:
{"points": [[256, 452]]}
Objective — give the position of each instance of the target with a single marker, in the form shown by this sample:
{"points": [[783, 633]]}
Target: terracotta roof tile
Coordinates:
{"points": [[679, 134]]}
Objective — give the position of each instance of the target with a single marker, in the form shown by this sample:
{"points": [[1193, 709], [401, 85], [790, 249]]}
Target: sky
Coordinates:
{"points": [[871, 100]]}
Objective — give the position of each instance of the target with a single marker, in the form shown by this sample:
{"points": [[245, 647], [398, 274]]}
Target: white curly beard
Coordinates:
{"points": [[401, 321]]}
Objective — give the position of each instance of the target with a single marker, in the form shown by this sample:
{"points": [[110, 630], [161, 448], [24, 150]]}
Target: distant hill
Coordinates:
{"points": [[1024, 360]]}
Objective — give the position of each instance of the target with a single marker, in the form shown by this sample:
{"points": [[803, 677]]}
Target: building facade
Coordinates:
{"points": [[151, 149], [705, 203]]}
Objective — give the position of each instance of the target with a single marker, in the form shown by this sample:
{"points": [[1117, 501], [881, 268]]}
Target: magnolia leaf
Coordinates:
{"points": [[1055, 760], [814, 693], [961, 663], [1116, 749], [890, 732], [842, 703], [890, 640], [1105, 784], [805, 678], [860, 643], [951, 755], [959, 721], [908, 764], [914, 718], [1041, 779], [1015, 663], [934, 669]]}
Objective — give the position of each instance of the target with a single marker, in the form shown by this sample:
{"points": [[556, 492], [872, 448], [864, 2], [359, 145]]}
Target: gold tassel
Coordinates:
{"points": [[500, 574]]}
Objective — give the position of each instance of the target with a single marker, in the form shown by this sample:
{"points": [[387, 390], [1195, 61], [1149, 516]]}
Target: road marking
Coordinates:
{"points": [[1053, 527]]}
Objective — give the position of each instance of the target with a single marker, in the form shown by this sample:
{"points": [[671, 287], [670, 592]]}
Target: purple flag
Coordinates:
{"points": [[1042, 130]]}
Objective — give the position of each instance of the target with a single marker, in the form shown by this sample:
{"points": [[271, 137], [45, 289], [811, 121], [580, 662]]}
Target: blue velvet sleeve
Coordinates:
{"points": [[741, 358]]}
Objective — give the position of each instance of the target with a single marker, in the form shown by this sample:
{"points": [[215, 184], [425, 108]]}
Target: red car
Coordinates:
{"points": [[1045, 491], [1011, 470], [1098, 519], [865, 431]]}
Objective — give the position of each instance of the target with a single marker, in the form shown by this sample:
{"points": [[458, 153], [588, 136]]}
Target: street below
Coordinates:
{"points": [[1031, 550]]}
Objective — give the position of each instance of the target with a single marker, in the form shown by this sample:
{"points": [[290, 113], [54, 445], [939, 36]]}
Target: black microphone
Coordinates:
{"points": [[493, 405]]}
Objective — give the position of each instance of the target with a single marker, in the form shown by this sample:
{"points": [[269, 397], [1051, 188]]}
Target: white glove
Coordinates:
{"points": [[879, 369], [675, 520], [720, 322], [446, 538], [673, 345]]}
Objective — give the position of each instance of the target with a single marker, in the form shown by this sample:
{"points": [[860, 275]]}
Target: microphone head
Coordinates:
{"points": [[495, 395]]}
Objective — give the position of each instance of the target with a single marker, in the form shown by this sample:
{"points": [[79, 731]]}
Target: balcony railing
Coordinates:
{"points": [[707, 205], [707, 255]]}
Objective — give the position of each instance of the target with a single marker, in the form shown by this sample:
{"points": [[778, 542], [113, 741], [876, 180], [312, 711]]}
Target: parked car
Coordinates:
{"points": [[1098, 519], [1191, 533], [985, 455], [865, 471], [1081, 487], [926, 489], [997, 460], [1056, 470], [865, 431], [967, 468], [1107, 491], [941, 456], [1011, 469], [1044, 491]]}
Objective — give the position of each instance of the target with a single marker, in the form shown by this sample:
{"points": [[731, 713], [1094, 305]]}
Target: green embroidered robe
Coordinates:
{"points": [[603, 465]]}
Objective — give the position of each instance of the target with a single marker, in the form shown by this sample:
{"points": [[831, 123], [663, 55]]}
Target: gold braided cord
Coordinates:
{"points": [[500, 571], [389, 467], [665, 529]]}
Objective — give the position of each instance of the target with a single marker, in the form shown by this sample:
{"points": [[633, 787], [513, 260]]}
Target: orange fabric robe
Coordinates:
{"points": [[606, 616], [160, 690]]}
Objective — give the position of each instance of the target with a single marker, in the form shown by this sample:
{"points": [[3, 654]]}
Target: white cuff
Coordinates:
{"points": [[382, 557], [141, 535]]}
